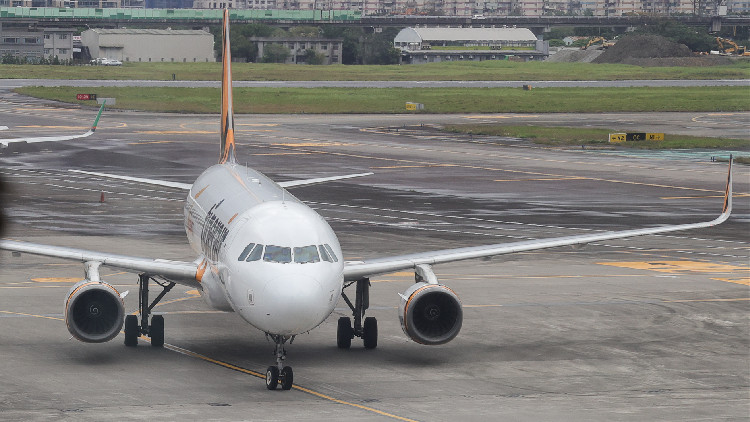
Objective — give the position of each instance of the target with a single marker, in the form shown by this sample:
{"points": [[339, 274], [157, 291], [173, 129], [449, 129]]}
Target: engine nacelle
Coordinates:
{"points": [[94, 311], [430, 313]]}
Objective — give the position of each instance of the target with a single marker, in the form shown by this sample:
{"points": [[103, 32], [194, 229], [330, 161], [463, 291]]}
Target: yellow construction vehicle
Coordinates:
{"points": [[605, 44]]}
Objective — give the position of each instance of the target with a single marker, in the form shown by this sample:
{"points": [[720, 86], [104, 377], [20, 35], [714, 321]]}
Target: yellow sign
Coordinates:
{"points": [[654, 136], [411, 106], [617, 137]]}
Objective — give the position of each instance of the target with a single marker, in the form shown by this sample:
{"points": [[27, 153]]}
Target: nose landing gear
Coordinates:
{"points": [[282, 373]]}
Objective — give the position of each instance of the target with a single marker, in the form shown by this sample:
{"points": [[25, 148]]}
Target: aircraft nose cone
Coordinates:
{"points": [[294, 304]]}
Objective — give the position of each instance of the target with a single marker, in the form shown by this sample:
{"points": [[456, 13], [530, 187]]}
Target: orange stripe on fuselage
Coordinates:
{"points": [[227, 112]]}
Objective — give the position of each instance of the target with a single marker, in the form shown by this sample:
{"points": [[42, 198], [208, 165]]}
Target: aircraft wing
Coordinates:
{"points": [[306, 182], [6, 142], [356, 270], [177, 271], [187, 186], [166, 183]]}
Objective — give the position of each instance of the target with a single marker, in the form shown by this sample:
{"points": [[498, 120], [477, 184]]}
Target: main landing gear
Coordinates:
{"points": [[282, 373], [155, 330], [367, 331]]}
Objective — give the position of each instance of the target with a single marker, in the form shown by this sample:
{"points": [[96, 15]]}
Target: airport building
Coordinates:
{"points": [[429, 45], [35, 44], [329, 48], [149, 45]]}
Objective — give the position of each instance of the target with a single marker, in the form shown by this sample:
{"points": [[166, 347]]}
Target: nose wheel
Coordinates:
{"points": [[280, 374]]}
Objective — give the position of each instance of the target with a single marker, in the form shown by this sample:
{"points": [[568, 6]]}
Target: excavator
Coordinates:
{"points": [[729, 47], [605, 44]]}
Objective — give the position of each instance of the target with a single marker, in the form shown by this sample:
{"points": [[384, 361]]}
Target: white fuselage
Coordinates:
{"points": [[276, 261]]}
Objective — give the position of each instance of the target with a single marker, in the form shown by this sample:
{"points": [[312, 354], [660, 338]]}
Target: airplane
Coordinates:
{"points": [[5, 142], [273, 260]]}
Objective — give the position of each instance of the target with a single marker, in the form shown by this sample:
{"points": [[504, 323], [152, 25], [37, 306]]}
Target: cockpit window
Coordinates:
{"points": [[306, 254], [324, 254], [255, 254], [330, 251], [245, 252], [279, 254]]}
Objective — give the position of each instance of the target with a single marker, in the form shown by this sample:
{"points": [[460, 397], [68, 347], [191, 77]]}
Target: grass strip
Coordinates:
{"points": [[567, 136], [491, 70], [435, 100]]}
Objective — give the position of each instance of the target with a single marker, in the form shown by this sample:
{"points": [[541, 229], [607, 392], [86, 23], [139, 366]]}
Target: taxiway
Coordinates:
{"points": [[653, 328]]}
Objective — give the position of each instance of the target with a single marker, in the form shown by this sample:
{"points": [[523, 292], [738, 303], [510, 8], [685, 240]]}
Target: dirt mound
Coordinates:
{"points": [[642, 47], [694, 61], [574, 55]]}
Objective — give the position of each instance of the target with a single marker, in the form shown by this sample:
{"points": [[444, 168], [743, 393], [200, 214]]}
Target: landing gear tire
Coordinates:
{"points": [[344, 333], [132, 330], [157, 331], [272, 377], [370, 333], [287, 378]]}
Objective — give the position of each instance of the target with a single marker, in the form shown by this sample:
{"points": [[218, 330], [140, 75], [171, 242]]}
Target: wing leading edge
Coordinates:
{"points": [[180, 272], [359, 269]]}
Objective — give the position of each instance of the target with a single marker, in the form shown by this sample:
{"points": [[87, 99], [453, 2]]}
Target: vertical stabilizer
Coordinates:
{"points": [[227, 108]]}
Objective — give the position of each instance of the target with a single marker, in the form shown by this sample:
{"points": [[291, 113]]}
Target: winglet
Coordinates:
{"points": [[227, 107], [728, 192], [98, 115]]}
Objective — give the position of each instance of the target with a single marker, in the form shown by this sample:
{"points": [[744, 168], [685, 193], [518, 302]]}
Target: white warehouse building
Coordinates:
{"points": [[150, 45], [426, 45]]}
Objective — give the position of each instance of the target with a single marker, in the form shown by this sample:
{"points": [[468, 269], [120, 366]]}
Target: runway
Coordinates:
{"points": [[653, 328]]}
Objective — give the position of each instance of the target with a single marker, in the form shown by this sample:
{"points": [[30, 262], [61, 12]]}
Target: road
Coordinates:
{"points": [[647, 329]]}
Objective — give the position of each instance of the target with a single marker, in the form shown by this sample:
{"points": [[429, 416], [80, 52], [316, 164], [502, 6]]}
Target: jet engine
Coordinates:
{"points": [[94, 311], [430, 313]]}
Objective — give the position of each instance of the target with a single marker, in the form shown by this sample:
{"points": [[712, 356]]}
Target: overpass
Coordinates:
{"points": [[114, 17]]}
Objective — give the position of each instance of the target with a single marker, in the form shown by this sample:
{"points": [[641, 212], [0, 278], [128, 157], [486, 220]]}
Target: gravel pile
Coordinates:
{"points": [[571, 55]]}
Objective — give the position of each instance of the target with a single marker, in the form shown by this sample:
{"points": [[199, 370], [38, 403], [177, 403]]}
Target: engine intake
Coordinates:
{"points": [[94, 311], [430, 314]]}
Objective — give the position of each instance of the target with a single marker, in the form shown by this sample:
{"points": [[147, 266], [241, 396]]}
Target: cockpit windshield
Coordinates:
{"points": [[284, 255], [279, 254], [306, 254]]}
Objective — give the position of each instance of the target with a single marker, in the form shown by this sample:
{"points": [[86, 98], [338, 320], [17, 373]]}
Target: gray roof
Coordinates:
{"points": [[412, 35], [102, 31]]}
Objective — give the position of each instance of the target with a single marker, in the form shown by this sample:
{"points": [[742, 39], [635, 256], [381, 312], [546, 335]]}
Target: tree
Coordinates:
{"points": [[681, 33], [313, 57], [276, 53], [305, 31]]}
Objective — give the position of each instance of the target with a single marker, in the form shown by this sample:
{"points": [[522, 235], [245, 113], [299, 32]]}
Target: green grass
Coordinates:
{"points": [[566, 136], [495, 70], [436, 100]]}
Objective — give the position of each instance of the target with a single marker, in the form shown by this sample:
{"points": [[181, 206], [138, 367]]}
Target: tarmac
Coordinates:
{"points": [[652, 328]]}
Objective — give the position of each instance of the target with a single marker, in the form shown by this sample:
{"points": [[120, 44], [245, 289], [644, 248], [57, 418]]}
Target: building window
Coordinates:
{"points": [[46, 36], [62, 51], [62, 37]]}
